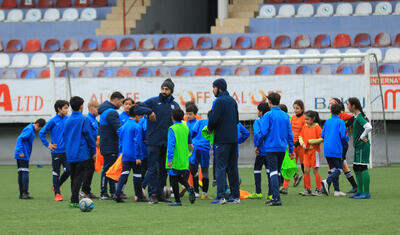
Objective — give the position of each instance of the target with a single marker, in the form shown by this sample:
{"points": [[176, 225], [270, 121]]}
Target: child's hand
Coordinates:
{"points": [[22, 155], [169, 164], [257, 150], [365, 140], [153, 117], [304, 146], [52, 146], [208, 131], [138, 162], [291, 155], [94, 156]]}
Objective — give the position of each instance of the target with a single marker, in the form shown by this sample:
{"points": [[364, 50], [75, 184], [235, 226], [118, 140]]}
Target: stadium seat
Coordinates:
{"points": [[262, 70], [344, 69], [146, 44], [4, 60], [222, 71], [184, 43], [134, 54], [115, 54], [392, 55], [127, 44], [344, 9], [33, 15], [86, 73], [95, 55], [182, 71], [396, 42], [212, 62], [192, 62], [20, 60], [143, 72], [108, 44], [386, 68], [163, 72], [352, 60], [305, 10], [33, 45], [383, 8], [251, 62], [63, 3], [397, 9], [267, 11], [294, 1], [322, 41], [1, 46], [28, 73], [70, 14], [204, 43], [262, 43], [291, 61], [286, 11], [174, 62], [165, 44], [282, 42], [8, 4], [45, 73], [270, 53], [243, 43], [2, 15], [303, 69], [313, 60], [51, 15], [39, 60], [276, 1], [342, 40], [58, 55], [64, 73], [223, 43], [361, 69], [27, 4], [45, 4], [14, 45], [202, 71], [377, 52], [77, 55], [99, 3], [362, 40], [9, 74], [302, 41], [81, 3], [282, 69], [14, 15], [324, 10], [382, 40], [89, 45], [323, 69], [124, 72], [242, 71], [363, 9], [88, 14], [231, 62], [331, 60], [70, 45], [154, 54]]}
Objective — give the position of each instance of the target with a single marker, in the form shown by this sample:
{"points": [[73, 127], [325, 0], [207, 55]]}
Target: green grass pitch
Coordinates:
{"points": [[298, 215]]}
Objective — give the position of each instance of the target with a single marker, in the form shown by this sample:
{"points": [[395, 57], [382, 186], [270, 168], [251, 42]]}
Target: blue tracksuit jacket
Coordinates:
{"points": [[56, 127], [334, 135], [109, 124], [24, 143], [130, 138]]}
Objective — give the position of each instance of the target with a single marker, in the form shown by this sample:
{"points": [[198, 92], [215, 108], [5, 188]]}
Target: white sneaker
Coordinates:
{"points": [[339, 194], [197, 195]]}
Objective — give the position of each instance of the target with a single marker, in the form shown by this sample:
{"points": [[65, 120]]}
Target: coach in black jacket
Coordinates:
{"points": [[223, 120]]}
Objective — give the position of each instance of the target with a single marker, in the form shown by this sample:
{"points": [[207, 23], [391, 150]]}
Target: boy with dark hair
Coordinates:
{"points": [[22, 153], [80, 146], [55, 126], [109, 146], [177, 161]]}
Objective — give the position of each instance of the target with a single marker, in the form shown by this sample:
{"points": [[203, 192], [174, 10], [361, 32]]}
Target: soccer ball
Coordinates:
{"points": [[86, 205], [167, 192]]}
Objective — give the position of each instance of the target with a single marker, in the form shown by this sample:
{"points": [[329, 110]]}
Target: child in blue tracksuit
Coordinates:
{"points": [[143, 124], [127, 103], [130, 138], [80, 146], [55, 126], [23, 150], [334, 135]]}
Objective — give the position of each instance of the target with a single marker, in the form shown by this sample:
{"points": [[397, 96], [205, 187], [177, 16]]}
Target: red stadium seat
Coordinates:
{"points": [[8, 4], [28, 73], [202, 71], [262, 42], [146, 44], [143, 72], [33, 45], [105, 73], [183, 72], [185, 43], [312, 1], [382, 40], [89, 45], [165, 44], [276, 1], [350, 0], [386, 68], [396, 42], [45, 73], [262, 70], [362, 40], [303, 69], [322, 41], [27, 4], [14, 45], [294, 1], [204, 43], [302, 41], [63, 74], [99, 3], [51, 45], [332, 0], [70, 45], [63, 3], [108, 44], [221, 71], [127, 44], [243, 43], [343, 69], [81, 3], [45, 4], [282, 42], [282, 69], [223, 43], [124, 72], [342, 40]]}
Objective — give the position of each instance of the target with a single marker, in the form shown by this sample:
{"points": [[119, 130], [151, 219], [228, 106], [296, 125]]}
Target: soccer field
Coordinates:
{"points": [[298, 215]]}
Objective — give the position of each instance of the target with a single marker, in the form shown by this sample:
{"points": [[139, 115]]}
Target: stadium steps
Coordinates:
{"points": [[113, 24], [239, 14]]}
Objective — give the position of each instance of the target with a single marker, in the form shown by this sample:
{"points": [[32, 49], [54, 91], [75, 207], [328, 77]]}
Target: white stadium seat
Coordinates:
{"points": [[86, 73], [154, 54], [291, 61], [95, 54], [397, 9], [2, 15], [20, 60], [286, 11], [77, 55], [363, 9], [115, 54], [4, 60], [392, 55], [15, 15], [51, 14], [231, 62], [9, 74], [324, 69], [324, 10], [251, 53], [344, 9], [383, 8], [212, 54], [174, 62], [331, 51], [377, 52], [271, 61], [267, 11], [311, 52], [305, 10], [39, 60], [33, 15], [133, 55], [59, 55], [88, 14], [70, 14], [165, 72], [352, 60], [193, 62]]}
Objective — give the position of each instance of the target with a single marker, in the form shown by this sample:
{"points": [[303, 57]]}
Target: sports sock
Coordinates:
{"points": [[365, 179], [196, 183], [307, 181], [20, 184], [302, 168], [286, 183], [25, 181], [206, 182], [318, 181], [359, 182], [173, 180], [257, 181], [350, 178]]}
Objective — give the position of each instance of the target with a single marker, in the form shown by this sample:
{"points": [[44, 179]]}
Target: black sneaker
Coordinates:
{"points": [[273, 203], [119, 199], [192, 195], [92, 196], [105, 196], [297, 180], [143, 199], [163, 199], [26, 196], [353, 190], [214, 183], [153, 200]]}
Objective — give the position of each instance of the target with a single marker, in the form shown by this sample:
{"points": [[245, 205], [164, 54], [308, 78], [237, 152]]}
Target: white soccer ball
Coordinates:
{"points": [[167, 192], [86, 205]]}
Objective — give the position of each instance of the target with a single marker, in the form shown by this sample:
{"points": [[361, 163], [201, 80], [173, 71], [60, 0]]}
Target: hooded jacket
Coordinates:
{"points": [[109, 124]]}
